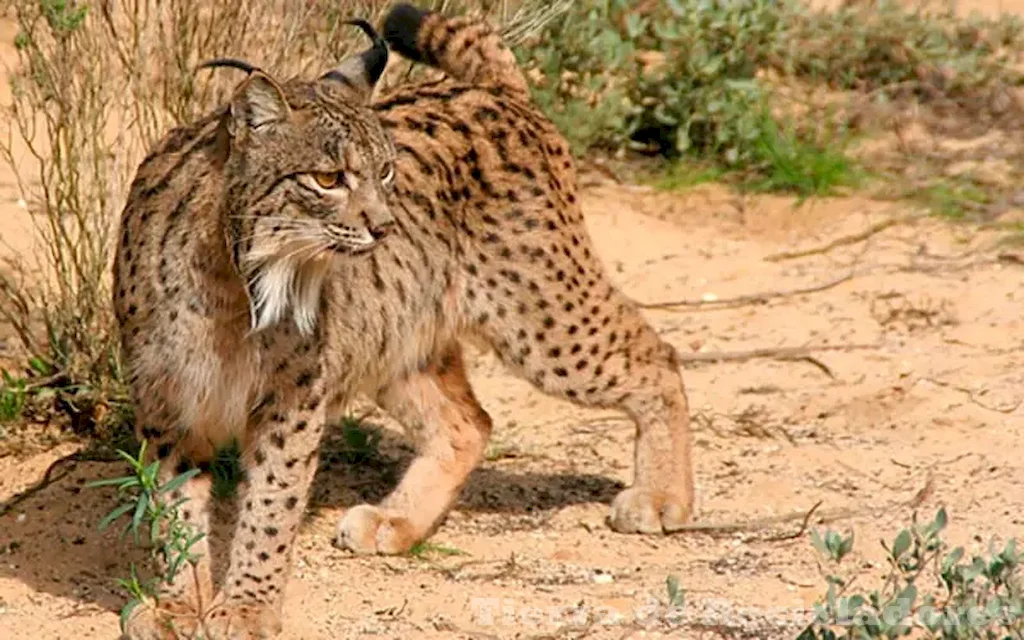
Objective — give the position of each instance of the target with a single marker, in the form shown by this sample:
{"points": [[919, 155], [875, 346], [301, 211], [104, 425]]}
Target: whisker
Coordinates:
{"points": [[255, 270], [297, 251], [269, 218], [296, 233]]}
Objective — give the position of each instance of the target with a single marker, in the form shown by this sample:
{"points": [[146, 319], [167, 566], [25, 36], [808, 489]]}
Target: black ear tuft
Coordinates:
{"points": [[232, 63], [375, 59], [361, 72]]}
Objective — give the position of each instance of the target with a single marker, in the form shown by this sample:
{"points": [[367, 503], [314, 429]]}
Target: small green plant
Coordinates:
{"points": [[953, 200], [791, 163], [360, 442], [685, 174], [35, 388], [676, 594], [145, 500], [978, 599], [12, 396]]}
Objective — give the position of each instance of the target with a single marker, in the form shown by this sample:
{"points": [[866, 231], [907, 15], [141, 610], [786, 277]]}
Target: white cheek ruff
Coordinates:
{"points": [[282, 285]]}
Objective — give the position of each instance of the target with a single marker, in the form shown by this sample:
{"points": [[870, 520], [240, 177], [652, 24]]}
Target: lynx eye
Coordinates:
{"points": [[387, 173], [327, 180]]}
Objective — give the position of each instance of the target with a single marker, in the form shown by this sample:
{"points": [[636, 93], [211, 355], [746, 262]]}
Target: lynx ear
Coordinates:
{"points": [[258, 102], [360, 73]]}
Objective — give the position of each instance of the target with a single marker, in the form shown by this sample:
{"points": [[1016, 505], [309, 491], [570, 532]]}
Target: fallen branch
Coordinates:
{"points": [[778, 353], [803, 525], [805, 354], [753, 298], [860, 236], [50, 476], [973, 396], [768, 522], [804, 517]]}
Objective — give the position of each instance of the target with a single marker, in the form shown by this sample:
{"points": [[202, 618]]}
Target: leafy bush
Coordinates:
{"points": [[976, 599], [679, 79], [686, 77], [577, 63], [881, 44]]}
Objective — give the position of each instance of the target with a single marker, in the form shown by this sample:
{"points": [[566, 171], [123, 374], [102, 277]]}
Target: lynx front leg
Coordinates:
{"points": [[280, 461], [440, 404]]}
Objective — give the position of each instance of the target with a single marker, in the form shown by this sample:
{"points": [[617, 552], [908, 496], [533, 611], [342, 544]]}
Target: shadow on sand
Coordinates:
{"points": [[49, 538]]}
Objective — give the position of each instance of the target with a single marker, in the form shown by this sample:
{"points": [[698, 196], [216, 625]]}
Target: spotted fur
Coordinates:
{"points": [[493, 247], [232, 231]]}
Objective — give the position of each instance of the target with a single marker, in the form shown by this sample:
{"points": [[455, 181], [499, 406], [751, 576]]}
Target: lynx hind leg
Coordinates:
{"points": [[561, 323], [437, 402]]}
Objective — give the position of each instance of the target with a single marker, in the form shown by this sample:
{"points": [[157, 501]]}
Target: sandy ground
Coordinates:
{"points": [[931, 404]]}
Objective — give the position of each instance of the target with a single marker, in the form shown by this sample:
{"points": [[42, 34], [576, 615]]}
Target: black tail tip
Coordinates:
{"points": [[402, 27]]}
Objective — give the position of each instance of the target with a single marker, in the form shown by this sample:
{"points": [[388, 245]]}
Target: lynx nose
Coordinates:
{"points": [[382, 229]]}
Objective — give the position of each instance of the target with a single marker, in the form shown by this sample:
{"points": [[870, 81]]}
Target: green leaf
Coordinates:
{"points": [[818, 543], [847, 546], [115, 514], [901, 544], [952, 558], [177, 481], [129, 458], [108, 482], [137, 517], [1010, 552], [126, 613], [675, 593], [39, 366], [907, 599]]}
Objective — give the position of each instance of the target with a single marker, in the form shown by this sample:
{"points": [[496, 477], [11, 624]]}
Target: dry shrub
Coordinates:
{"points": [[94, 86]]}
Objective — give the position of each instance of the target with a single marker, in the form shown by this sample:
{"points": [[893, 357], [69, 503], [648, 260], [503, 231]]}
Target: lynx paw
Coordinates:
{"points": [[241, 622], [165, 621], [366, 529], [639, 510]]}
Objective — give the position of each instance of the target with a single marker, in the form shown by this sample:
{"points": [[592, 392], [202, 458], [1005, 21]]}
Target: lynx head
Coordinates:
{"points": [[307, 172]]}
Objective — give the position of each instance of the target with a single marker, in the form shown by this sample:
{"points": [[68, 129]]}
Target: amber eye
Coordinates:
{"points": [[328, 180]]}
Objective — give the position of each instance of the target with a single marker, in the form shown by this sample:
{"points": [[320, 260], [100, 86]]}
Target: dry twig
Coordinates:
{"points": [[804, 354], [804, 517], [860, 236], [51, 476], [973, 396], [753, 298]]}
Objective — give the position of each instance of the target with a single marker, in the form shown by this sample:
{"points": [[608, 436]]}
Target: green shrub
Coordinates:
{"points": [[679, 80], [792, 163], [881, 44], [928, 589], [688, 77]]}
